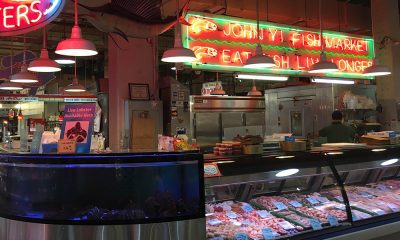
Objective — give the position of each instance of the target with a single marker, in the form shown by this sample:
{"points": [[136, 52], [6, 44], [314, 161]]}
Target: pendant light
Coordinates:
{"points": [[7, 85], [178, 53], [323, 66], [259, 60], [75, 86], [376, 69], [76, 45], [218, 88], [61, 59], [254, 91], [24, 76], [44, 63]]}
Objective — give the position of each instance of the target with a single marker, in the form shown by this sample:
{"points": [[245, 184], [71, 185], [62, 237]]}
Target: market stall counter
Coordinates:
{"points": [[318, 194], [102, 196]]}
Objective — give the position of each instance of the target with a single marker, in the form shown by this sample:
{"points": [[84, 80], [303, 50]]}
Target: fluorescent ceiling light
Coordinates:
{"points": [[285, 157], [332, 80], [390, 162], [378, 150], [262, 77], [287, 172]]}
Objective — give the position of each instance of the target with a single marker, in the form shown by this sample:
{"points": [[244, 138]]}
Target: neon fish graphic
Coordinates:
{"points": [[200, 24], [202, 52]]}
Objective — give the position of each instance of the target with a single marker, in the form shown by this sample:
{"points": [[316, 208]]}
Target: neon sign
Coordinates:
{"points": [[22, 16], [225, 43]]}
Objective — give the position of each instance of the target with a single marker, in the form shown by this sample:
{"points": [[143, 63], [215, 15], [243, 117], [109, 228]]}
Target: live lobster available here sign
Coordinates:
{"points": [[22, 16]]}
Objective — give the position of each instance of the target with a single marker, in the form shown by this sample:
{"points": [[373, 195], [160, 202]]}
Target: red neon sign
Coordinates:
{"points": [[22, 16], [225, 43]]}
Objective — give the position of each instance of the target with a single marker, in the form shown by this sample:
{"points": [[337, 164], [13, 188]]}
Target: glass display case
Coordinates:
{"points": [[303, 195]]}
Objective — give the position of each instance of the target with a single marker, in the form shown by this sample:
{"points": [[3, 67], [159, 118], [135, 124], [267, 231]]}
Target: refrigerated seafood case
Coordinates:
{"points": [[305, 195]]}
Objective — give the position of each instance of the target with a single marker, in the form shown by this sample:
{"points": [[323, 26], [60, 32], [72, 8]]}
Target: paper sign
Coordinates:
{"points": [[241, 236], [332, 219], [263, 214], [295, 204], [268, 233], [312, 200], [315, 224], [66, 146], [78, 125], [280, 206], [211, 170]]}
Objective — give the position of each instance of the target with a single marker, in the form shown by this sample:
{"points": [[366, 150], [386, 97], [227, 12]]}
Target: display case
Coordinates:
{"points": [[148, 195], [303, 195]]}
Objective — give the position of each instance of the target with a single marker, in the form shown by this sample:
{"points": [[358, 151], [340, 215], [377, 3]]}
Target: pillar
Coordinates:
{"points": [[129, 62], [385, 19]]}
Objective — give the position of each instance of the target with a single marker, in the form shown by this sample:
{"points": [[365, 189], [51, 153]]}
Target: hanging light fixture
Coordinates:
{"points": [[323, 66], [64, 60], [44, 63], [24, 76], [218, 88], [376, 69], [75, 86], [76, 45], [254, 91], [7, 85], [259, 60], [178, 53]]}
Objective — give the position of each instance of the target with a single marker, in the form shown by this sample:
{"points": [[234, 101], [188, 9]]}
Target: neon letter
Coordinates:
{"points": [[36, 10], [22, 11], [5, 17]]}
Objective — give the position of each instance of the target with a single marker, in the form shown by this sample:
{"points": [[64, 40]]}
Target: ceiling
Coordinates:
{"points": [[342, 15]]}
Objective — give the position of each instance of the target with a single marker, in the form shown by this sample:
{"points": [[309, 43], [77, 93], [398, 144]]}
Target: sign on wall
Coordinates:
{"points": [[22, 16], [225, 43]]}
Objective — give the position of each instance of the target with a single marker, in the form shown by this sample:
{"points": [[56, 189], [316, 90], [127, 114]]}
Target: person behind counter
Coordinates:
{"points": [[337, 132]]}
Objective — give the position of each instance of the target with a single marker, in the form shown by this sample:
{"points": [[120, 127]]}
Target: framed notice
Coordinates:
{"points": [[139, 91]]}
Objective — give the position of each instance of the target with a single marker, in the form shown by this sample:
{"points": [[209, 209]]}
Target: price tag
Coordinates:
{"points": [[393, 207], [66, 146], [263, 214], [280, 206], [332, 219], [247, 208], [323, 199], [231, 215], [295, 204], [312, 200], [211, 170], [268, 233], [315, 224], [241, 236], [286, 225], [216, 238], [340, 198], [213, 222]]}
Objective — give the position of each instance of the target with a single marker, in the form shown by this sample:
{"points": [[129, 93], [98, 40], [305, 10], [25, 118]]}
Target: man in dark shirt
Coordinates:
{"points": [[337, 132]]}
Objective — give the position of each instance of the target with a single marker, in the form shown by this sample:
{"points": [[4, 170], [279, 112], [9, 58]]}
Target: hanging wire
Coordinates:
{"points": [[258, 21], [24, 60], [76, 12], [320, 27], [44, 37], [11, 56], [267, 3], [306, 12]]}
